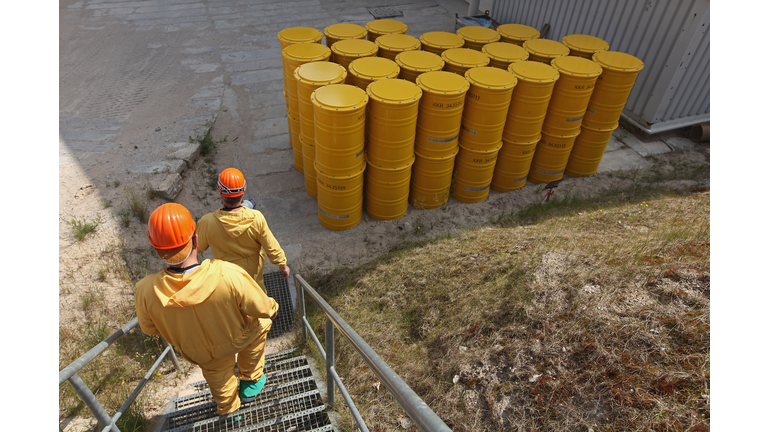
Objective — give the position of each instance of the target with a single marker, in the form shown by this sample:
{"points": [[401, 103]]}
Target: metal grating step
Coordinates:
{"points": [[278, 289], [282, 355], [276, 378], [306, 420], [271, 369], [206, 408]]}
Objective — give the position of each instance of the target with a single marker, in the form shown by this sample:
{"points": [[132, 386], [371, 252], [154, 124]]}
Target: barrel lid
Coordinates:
{"points": [[398, 42], [518, 32], [614, 60], [345, 31], [307, 52], [419, 61], [478, 34], [534, 71], [394, 91], [491, 77], [576, 66], [505, 51], [442, 40], [546, 48], [586, 43], [339, 97], [374, 67], [300, 34], [386, 26], [465, 57], [442, 82], [320, 73], [354, 47]]}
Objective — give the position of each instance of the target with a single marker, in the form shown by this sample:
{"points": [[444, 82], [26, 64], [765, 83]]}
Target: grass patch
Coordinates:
{"points": [[205, 139], [136, 206], [81, 228], [574, 315]]}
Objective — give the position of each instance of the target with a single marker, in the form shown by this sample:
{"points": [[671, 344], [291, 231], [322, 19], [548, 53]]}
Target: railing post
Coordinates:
{"points": [[329, 359], [303, 309], [173, 354], [91, 402]]}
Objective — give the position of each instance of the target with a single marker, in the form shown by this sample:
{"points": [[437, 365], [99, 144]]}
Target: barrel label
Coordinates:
{"points": [[591, 110], [574, 119], [476, 189], [520, 179], [556, 145], [584, 87], [482, 160], [449, 105], [359, 153], [469, 130], [551, 172], [334, 216], [331, 186], [473, 96], [529, 151], [441, 140]]}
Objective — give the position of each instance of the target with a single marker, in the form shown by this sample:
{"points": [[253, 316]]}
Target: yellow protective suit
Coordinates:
{"points": [[240, 237], [210, 314]]}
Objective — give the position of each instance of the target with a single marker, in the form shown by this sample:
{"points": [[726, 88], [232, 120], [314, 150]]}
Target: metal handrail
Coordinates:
{"points": [[70, 373], [417, 409]]}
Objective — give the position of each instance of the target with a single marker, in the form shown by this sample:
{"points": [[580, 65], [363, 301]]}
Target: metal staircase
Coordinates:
{"points": [[290, 401]]}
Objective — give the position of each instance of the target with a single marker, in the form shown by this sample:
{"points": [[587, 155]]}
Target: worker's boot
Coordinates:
{"points": [[250, 389]]}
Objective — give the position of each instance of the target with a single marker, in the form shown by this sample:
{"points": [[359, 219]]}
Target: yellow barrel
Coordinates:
{"points": [[431, 180], [612, 88], [544, 50], [415, 63], [485, 107], [517, 33], [386, 190], [393, 44], [294, 56], [551, 157], [384, 27], [336, 32], [310, 176], [530, 99], [474, 172], [512, 165], [502, 54], [298, 158], [296, 35], [310, 77], [585, 45], [571, 94], [366, 70], [588, 151], [439, 41], [339, 200], [440, 109], [339, 129], [391, 124], [460, 60], [344, 51], [475, 37]]}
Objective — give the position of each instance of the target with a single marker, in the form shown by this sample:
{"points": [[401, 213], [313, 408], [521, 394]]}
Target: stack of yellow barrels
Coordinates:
{"points": [[294, 56], [522, 130], [564, 116], [390, 133], [604, 110], [517, 34], [383, 27], [502, 54], [437, 134], [482, 125], [393, 44], [339, 111], [310, 77], [343, 31], [545, 50], [414, 63], [366, 70], [475, 37], [460, 60], [439, 41]]}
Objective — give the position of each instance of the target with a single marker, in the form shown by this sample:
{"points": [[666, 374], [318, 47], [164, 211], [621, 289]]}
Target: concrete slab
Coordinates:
{"points": [[641, 147], [622, 160]]}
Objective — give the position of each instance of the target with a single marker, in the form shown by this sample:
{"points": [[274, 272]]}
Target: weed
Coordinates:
{"points": [[80, 228], [206, 141], [125, 216], [136, 205], [117, 183], [106, 203], [86, 299], [102, 275], [622, 136]]}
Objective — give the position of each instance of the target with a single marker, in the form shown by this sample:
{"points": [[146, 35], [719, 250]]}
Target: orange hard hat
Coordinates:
{"points": [[231, 182], [171, 228]]}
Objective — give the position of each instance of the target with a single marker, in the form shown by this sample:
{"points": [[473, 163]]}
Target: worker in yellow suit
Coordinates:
{"points": [[209, 311], [238, 234]]}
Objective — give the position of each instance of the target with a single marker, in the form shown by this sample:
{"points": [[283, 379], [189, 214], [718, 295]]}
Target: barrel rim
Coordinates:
{"points": [[543, 51], [372, 95], [352, 107], [612, 128], [492, 37], [305, 53], [600, 59], [505, 30], [370, 26], [428, 88], [441, 35], [361, 60], [413, 43], [485, 71], [329, 31], [557, 64], [406, 66], [381, 168], [598, 46], [339, 47], [465, 52], [507, 45], [311, 65], [533, 78], [281, 35]]}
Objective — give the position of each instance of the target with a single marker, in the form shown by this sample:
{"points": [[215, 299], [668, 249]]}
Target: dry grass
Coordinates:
{"points": [[597, 317]]}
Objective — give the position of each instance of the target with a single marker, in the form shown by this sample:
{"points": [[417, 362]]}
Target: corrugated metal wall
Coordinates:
{"points": [[670, 37]]}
